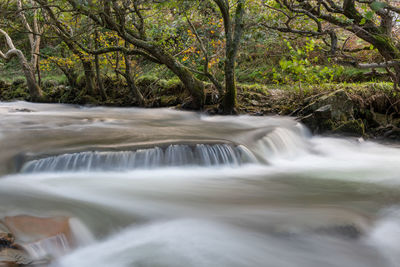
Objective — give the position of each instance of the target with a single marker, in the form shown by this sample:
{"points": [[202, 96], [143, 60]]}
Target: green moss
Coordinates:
{"points": [[353, 127]]}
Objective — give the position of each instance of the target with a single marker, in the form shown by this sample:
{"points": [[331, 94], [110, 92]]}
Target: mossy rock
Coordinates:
{"points": [[341, 105], [351, 127]]}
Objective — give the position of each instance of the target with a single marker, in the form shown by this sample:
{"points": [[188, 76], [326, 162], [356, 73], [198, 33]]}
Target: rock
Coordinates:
{"points": [[14, 257], [392, 132], [38, 240], [332, 113], [352, 127], [324, 112], [6, 240], [32, 229], [340, 103]]}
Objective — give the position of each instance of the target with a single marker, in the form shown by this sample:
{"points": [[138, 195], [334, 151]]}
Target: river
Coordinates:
{"points": [[160, 187]]}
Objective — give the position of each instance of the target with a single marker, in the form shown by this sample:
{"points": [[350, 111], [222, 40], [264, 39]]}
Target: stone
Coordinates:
{"points": [[14, 257], [324, 112], [6, 240], [351, 127], [31, 229], [340, 103]]}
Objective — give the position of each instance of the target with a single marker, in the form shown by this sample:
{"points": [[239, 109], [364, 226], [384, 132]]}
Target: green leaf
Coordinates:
{"points": [[369, 15], [363, 21], [376, 6]]}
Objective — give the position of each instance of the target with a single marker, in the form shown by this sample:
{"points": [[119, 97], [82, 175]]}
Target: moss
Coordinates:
{"points": [[352, 127]]}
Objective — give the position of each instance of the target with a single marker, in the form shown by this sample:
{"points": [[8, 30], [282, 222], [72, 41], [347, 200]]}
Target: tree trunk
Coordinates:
{"points": [[98, 74], [194, 86], [131, 82], [34, 90], [229, 100], [89, 78], [233, 34]]}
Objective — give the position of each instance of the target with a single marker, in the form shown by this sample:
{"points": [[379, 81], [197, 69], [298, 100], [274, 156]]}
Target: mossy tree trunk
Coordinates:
{"points": [[233, 32]]}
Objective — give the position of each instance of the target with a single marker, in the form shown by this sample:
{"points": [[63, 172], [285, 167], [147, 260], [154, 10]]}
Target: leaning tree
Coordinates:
{"points": [[34, 89], [131, 21], [374, 22]]}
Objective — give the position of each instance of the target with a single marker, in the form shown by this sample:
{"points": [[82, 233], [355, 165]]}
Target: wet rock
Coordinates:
{"points": [[347, 231], [31, 229], [391, 132], [6, 241], [34, 240], [14, 257]]}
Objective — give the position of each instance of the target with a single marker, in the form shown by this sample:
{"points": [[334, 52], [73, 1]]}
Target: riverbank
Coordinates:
{"points": [[369, 110]]}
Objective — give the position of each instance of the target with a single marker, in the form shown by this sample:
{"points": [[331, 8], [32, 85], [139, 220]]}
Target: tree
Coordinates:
{"points": [[233, 32], [370, 20], [128, 19], [66, 31], [34, 89], [34, 31]]}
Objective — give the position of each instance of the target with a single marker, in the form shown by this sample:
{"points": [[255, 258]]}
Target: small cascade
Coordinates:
{"points": [[283, 142], [171, 156]]}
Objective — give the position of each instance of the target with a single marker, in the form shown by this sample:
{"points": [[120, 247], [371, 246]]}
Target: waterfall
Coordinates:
{"points": [[172, 155]]}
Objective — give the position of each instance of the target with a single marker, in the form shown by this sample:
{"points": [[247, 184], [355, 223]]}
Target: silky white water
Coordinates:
{"points": [[171, 188]]}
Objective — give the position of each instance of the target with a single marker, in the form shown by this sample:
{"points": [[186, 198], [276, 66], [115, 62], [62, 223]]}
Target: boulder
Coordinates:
{"points": [[338, 102], [334, 113], [351, 127], [33, 240], [32, 229]]}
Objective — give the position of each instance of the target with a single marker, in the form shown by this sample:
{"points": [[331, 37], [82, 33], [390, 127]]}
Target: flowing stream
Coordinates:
{"points": [[159, 187]]}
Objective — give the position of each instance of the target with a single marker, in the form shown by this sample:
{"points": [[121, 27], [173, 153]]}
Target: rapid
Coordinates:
{"points": [[160, 187]]}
